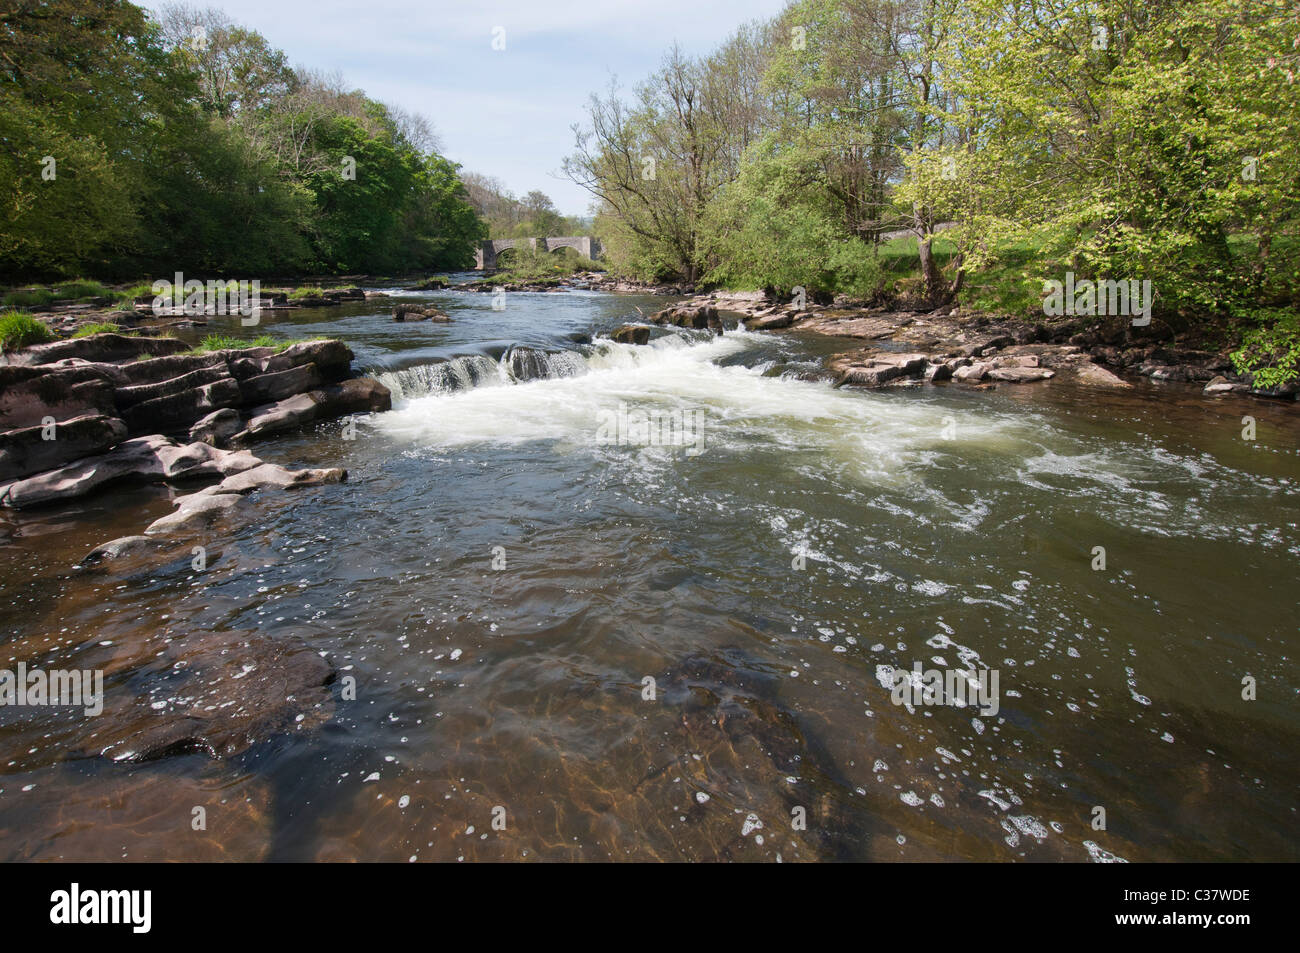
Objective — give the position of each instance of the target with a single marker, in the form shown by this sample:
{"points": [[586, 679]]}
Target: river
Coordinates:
{"points": [[564, 647]]}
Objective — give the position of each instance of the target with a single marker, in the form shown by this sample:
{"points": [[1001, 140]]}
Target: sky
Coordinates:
{"points": [[509, 112]]}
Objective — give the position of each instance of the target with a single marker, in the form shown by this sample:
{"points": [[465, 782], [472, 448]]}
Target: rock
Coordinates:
{"points": [[688, 317], [153, 459], [270, 475], [1017, 360], [938, 372], [179, 411], [277, 385], [632, 334], [771, 323], [987, 345], [133, 814], [882, 368], [217, 428], [415, 312], [1020, 375], [26, 450], [358, 395], [276, 418], [194, 511], [333, 360], [134, 394], [226, 691], [971, 373], [28, 395], [120, 548], [1159, 372], [1097, 376], [109, 348]]}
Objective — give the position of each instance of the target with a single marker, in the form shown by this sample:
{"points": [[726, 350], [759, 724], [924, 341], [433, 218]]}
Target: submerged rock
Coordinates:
{"points": [[223, 692]]}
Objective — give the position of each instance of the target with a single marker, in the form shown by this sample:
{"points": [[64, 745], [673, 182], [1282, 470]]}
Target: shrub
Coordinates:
{"points": [[1270, 352]]}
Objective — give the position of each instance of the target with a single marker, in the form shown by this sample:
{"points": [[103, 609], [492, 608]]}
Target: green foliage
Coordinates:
{"points": [[1155, 142], [1270, 351], [19, 329], [126, 151]]}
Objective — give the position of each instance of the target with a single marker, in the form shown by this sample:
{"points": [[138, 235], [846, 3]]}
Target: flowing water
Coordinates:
{"points": [[678, 643]]}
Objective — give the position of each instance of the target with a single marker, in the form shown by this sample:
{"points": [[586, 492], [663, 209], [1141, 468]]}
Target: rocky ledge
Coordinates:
{"points": [[76, 399], [896, 348]]}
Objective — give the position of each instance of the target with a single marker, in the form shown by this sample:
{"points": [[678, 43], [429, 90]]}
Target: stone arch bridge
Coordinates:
{"points": [[485, 258]]}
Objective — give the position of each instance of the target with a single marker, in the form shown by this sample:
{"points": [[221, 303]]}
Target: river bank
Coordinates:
{"points": [[903, 348]]}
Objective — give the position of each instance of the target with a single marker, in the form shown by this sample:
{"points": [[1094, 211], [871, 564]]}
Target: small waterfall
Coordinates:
{"points": [[529, 364], [516, 366], [444, 377]]}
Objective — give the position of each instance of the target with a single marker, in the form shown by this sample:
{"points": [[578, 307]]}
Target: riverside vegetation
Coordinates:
{"points": [[937, 153]]}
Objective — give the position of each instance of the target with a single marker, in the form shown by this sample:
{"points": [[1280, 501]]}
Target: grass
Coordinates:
{"points": [[81, 288], [224, 342], [28, 298], [102, 327], [297, 293], [20, 329]]}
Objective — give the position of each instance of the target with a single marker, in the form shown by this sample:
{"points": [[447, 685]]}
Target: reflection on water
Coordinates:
{"points": [[629, 652]]}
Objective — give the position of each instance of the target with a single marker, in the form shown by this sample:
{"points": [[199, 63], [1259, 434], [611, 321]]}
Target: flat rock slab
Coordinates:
{"points": [[872, 327], [273, 476], [1020, 375], [110, 348], [1097, 376], [194, 511], [152, 459], [222, 692]]}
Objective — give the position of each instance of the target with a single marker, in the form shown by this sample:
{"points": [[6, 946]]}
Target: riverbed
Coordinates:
{"points": [[553, 645]]}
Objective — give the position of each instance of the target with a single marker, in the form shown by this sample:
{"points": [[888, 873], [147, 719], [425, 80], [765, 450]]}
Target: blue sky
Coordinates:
{"points": [[502, 113]]}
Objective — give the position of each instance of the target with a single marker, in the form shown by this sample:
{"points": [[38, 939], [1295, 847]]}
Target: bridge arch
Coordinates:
{"points": [[485, 259]]}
